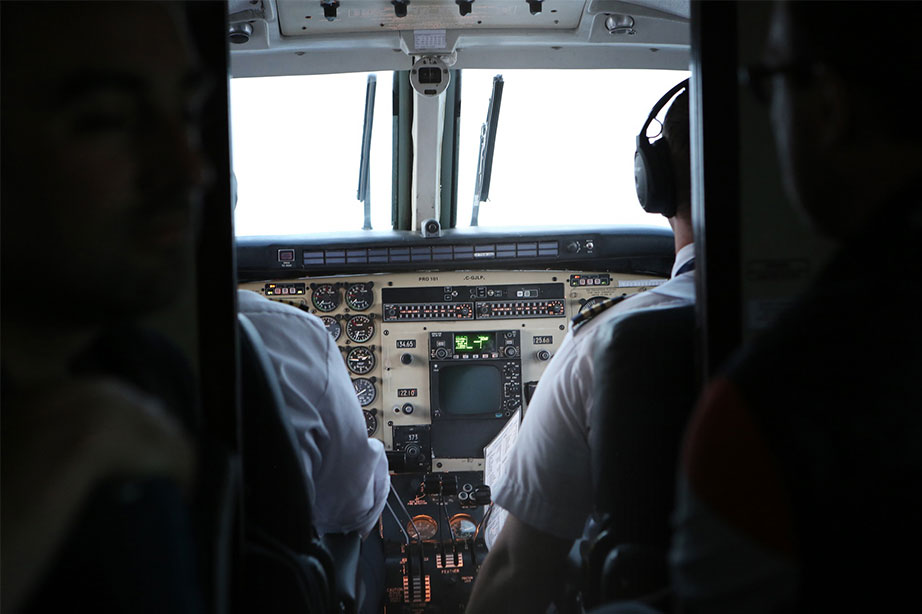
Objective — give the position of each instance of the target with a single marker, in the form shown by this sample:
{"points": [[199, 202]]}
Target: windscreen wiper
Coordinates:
{"points": [[487, 144], [364, 194]]}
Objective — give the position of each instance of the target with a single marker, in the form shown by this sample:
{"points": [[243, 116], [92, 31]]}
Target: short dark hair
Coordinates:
{"points": [[873, 46], [675, 131]]}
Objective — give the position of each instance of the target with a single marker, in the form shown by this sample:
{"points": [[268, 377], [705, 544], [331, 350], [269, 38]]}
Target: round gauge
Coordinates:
{"points": [[364, 391], [360, 328], [593, 301], [360, 360], [333, 326], [422, 527], [371, 421], [360, 296], [325, 297], [462, 526]]}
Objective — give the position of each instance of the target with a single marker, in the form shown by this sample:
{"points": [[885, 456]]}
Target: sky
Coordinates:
{"points": [[564, 149]]}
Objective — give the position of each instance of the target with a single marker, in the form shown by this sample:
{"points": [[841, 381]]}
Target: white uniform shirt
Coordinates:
{"points": [[548, 484], [348, 469]]}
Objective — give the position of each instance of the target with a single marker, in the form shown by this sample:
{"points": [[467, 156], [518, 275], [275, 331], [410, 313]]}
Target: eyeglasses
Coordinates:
{"points": [[759, 76]]}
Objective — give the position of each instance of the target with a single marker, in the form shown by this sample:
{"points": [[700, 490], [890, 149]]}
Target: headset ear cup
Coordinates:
{"points": [[664, 188], [641, 182], [653, 178]]}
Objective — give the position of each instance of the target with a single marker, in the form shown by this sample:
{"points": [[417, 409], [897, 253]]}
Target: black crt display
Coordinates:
{"points": [[470, 389], [472, 392]]}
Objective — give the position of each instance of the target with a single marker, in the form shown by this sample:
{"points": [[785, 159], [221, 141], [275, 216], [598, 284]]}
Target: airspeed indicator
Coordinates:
{"points": [[360, 296], [325, 297]]}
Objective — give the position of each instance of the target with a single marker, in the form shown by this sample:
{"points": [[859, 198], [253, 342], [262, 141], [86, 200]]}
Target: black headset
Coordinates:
{"points": [[654, 177]]}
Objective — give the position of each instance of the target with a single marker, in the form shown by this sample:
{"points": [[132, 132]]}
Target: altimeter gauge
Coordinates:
{"points": [[360, 328]]}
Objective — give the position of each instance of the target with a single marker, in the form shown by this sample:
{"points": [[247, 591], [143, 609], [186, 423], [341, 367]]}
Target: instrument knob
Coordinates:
{"points": [[406, 358], [481, 495]]}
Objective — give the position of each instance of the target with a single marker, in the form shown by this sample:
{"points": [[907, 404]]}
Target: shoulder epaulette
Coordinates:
{"points": [[584, 316]]}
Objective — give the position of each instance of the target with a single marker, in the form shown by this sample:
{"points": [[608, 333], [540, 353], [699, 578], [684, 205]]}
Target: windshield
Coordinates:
{"points": [[564, 145], [296, 150], [563, 156]]}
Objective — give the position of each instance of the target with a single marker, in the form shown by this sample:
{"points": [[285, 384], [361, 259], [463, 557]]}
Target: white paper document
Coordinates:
{"points": [[495, 462]]}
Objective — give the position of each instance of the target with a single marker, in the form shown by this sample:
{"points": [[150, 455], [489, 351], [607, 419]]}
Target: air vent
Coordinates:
{"points": [[437, 253], [357, 256]]}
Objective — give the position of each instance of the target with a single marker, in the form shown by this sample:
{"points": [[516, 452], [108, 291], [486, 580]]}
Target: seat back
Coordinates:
{"points": [[285, 566], [646, 386]]}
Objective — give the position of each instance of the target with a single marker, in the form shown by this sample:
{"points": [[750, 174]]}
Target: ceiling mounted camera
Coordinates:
{"points": [[429, 75]]}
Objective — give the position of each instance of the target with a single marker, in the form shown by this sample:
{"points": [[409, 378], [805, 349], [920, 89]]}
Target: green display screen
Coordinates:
{"points": [[475, 342]]}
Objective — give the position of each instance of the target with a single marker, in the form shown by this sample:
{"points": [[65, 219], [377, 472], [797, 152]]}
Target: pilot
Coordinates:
{"points": [[801, 480], [348, 469], [547, 489], [102, 175]]}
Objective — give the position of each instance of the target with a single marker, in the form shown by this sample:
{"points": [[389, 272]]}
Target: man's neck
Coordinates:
{"points": [[682, 233]]}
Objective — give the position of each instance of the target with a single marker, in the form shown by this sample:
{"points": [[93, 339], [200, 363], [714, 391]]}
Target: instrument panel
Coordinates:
{"points": [[436, 358], [440, 362]]}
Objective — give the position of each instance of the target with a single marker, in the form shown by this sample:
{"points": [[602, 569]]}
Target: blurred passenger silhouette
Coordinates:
{"points": [[102, 172], [801, 484]]}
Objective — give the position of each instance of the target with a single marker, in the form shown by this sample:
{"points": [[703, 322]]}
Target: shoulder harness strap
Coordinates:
{"points": [[584, 316]]}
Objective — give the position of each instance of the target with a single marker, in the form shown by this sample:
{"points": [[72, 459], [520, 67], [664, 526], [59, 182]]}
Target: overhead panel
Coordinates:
{"points": [[305, 18]]}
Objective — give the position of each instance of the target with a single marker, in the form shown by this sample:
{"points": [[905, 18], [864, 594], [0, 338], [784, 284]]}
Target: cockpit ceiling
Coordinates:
{"points": [[306, 17], [291, 37]]}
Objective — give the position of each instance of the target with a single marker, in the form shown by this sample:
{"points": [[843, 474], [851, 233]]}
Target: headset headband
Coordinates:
{"points": [[659, 106], [654, 176]]}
